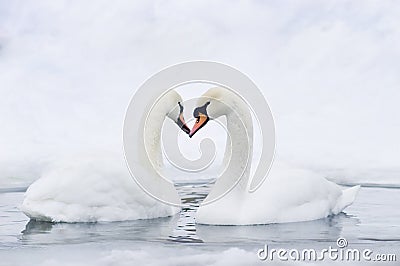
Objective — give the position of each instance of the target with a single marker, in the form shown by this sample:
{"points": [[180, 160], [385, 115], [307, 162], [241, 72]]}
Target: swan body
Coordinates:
{"points": [[287, 195], [98, 187], [90, 188]]}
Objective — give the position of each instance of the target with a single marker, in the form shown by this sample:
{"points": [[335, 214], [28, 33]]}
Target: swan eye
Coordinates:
{"points": [[201, 110]]}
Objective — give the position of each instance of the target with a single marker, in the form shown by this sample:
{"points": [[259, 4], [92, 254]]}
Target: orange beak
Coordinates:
{"points": [[201, 120]]}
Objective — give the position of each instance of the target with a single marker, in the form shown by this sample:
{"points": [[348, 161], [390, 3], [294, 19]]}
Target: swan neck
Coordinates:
{"points": [[240, 145], [152, 139]]}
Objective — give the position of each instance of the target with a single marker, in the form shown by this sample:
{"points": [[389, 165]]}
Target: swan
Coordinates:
{"points": [[97, 186], [287, 195]]}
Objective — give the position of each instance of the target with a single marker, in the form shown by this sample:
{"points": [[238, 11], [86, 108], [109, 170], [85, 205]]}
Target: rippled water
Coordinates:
{"points": [[373, 221]]}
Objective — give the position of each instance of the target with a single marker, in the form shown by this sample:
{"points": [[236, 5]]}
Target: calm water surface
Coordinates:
{"points": [[373, 221]]}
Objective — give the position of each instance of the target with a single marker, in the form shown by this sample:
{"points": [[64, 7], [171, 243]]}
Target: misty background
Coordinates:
{"points": [[329, 70]]}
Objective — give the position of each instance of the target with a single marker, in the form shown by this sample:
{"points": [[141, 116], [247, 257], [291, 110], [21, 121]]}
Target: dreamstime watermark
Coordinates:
{"points": [[145, 141], [339, 253]]}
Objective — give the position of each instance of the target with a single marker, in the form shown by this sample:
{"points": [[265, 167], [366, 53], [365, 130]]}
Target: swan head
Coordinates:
{"points": [[180, 121], [201, 116], [214, 103], [173, 102]]}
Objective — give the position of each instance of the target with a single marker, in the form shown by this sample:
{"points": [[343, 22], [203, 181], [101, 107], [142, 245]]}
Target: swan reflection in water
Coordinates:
{"points": [[182, 228]]}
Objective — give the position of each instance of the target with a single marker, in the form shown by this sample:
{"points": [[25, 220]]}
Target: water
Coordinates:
{"points": [[373, 222]]}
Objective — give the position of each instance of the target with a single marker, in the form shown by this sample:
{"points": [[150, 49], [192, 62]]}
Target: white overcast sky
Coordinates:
{"points": [[329, 69]]}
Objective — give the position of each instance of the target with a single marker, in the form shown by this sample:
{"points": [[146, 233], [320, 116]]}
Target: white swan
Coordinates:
{"points": [[288, 195], [98, 187]]}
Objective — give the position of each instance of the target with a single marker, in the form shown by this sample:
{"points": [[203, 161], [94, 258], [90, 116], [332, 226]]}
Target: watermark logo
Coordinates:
{"points": [[339, 253], [341, 242], [147, 138]]}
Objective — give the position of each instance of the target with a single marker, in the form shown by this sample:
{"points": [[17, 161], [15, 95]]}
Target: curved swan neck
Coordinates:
{"points": [[240, 145], [142, 130], [167, 106]]}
